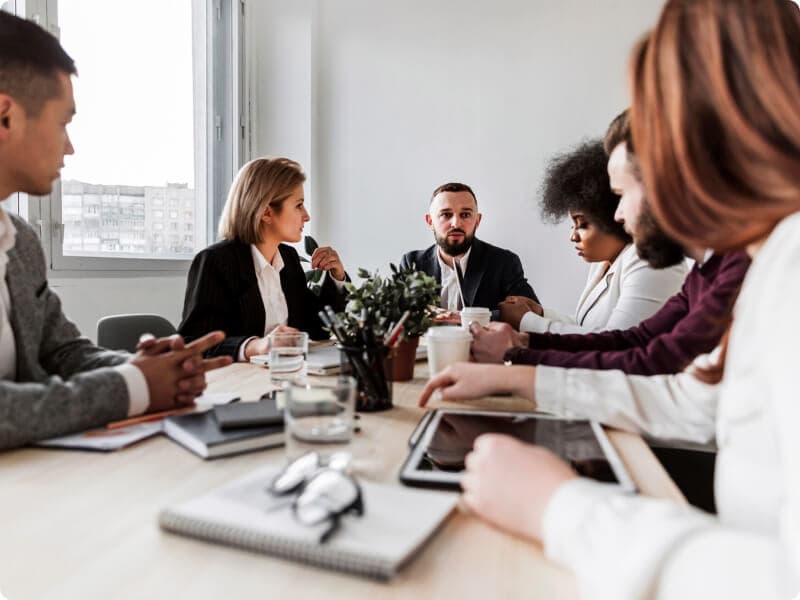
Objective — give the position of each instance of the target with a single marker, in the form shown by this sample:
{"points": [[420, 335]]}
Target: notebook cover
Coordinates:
{"points": [[200, 433], [397, 522]]}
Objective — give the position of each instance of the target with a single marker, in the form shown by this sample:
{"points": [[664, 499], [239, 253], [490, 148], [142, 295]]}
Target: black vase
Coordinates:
{"points": [[372, 368]]}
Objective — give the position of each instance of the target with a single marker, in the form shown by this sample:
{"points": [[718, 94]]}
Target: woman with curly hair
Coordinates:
{"points": [[622, 289]]}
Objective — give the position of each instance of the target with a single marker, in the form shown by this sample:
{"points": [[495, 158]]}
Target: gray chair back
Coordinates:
{"points": [[121, 332]]}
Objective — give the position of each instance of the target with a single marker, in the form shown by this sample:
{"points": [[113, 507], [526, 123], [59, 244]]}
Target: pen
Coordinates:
{"points": [[156, 416], [392, 335], [392, 341]]}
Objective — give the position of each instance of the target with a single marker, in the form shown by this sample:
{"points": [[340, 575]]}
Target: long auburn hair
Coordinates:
{"points": [[716, 121]]}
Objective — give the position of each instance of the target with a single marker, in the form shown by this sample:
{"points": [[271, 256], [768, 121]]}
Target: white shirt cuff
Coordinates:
{"points": [[532, 323], [549, 392], [241, 357], [138, 393], [339, 284], [565, 534]]}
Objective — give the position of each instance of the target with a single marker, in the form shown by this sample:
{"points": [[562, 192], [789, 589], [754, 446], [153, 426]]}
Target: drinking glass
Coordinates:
{"points": [[288, 353], [318, 416]]}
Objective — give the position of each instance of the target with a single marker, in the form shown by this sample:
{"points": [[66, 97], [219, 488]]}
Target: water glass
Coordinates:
{"points": [[288, 353], [318, 415]]}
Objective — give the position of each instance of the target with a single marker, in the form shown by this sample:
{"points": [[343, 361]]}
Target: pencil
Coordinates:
{"points": [[156, 416]]}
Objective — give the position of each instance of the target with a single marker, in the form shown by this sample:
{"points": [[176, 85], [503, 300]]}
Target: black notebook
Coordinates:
{"points": [[200, 433]]}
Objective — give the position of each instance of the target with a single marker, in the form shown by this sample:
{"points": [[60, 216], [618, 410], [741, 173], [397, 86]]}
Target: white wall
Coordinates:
{"points": [[406, 95], [383, 101], [86, 299]]}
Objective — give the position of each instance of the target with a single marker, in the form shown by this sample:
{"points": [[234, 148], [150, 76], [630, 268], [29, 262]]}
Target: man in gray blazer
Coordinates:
{"points": [[53, 381]]}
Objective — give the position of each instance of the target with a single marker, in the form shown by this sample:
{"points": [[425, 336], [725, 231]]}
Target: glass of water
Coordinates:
{"points": [[318, 416], [287, 357]]}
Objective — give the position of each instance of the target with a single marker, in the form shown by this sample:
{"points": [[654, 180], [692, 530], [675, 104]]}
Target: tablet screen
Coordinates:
{"points": [[454, 434]]}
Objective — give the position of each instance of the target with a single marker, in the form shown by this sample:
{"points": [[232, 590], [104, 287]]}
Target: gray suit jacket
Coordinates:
{"points": [[64, 383]]}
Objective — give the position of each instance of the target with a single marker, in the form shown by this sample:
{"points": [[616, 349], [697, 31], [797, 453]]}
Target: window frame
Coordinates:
{"points": [[220, 131]]}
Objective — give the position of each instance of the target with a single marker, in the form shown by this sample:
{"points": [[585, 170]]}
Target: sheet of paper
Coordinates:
{"points": [[104, 440], [209, 399]]}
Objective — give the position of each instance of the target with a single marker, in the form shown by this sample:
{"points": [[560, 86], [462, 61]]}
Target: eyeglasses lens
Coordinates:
{"points": [[329, 493]]}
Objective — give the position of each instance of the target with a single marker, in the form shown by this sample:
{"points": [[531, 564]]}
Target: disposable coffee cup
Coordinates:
{"points": [[446, 346], [476, 314]]}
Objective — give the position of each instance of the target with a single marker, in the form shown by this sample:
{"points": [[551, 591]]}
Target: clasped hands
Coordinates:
{"points": [[175, 371]]}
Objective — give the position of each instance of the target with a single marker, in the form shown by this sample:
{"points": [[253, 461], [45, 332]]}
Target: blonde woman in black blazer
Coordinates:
{"points": [[251, 283]]}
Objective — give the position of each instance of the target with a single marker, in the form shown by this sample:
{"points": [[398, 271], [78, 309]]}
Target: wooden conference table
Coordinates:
{"points": [[84, 525]]}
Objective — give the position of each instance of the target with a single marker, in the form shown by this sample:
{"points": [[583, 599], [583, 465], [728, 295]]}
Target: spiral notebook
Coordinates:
{"points": [[397, 522]]}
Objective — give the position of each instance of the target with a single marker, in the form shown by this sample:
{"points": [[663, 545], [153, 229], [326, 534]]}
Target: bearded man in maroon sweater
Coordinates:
{"points": [[689, 324]]}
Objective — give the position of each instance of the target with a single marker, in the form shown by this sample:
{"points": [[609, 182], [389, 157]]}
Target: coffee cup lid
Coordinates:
{"points": [[448, 333], [475, 309]]}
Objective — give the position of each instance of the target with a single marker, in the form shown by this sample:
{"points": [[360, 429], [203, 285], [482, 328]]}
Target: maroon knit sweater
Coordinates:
{"points": [[689, 324]]}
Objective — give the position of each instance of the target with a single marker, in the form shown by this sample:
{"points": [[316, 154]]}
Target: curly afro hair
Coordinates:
{"points": [[577, 180]]}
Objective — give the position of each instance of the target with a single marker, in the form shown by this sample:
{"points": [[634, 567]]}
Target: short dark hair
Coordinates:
{"points": [[453, 187], [618, 132], [577, 180], [30, 61]]}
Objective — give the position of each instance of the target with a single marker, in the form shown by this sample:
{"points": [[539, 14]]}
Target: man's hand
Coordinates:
{"points": [[467, 381], [513, 308], [489, 344], [261, 345], [327, 259], [515, 496], [176, 376], [448, 316]]}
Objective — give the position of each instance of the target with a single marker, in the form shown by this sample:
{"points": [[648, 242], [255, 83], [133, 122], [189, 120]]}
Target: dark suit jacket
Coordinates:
{"points": [[492, 274], [222, 293]]}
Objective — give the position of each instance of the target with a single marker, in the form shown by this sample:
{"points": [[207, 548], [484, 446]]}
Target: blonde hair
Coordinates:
{"points": [[260, 184]]}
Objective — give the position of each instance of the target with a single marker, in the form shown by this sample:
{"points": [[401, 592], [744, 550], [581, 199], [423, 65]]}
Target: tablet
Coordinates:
{"points": [[444, 437]]}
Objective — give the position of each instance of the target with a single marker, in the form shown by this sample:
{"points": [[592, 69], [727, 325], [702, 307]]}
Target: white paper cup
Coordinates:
{"points": [[446, 345], [477, 314]]}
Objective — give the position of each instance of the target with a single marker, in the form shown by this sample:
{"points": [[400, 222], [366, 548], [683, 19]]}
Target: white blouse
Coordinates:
{"points": [[627, 294], [276, 311], [8, 348], [623, 546]]}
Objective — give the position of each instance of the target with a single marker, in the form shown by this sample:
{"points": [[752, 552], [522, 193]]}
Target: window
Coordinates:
{"points": [[156, 133]]}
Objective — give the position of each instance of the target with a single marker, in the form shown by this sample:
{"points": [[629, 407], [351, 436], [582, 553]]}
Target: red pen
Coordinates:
{"points": [[392, 341]]}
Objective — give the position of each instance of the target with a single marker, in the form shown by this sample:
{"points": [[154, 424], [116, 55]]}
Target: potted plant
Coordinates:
{"points": [[370, 334], [416, 293]]}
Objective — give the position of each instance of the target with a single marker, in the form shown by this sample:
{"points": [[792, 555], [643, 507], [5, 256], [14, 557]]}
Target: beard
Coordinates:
{"points": [[455, 249], [653, 245]]}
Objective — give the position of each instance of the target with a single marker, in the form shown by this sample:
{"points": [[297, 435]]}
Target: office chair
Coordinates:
{"points": [[121, 332]]}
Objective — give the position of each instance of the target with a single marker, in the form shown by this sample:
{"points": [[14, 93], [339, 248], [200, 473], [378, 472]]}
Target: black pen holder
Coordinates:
{"points": [[372, 368]]}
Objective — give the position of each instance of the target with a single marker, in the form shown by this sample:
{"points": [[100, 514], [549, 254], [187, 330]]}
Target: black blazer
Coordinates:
{"points": [[222, 293], [492, 274]]}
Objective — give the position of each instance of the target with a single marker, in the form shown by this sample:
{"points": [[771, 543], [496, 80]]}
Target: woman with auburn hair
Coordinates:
{"points": [[252, 283], [716, 124]]}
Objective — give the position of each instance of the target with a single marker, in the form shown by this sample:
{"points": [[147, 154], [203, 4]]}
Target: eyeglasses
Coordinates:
{"points": [[324, 492]]}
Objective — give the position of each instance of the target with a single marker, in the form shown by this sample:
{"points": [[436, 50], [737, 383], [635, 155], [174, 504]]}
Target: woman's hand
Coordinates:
{"points": [[509, 483], [513, 308], [261, 345], [327, 259], [465, 381]]}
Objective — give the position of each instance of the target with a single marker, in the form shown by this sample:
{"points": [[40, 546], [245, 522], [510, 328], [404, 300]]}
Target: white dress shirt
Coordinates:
{"points": [[627, 294], [8, 349], [276, 311], [138, 393], [268, 275], [450, 291], [623, 546]]}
